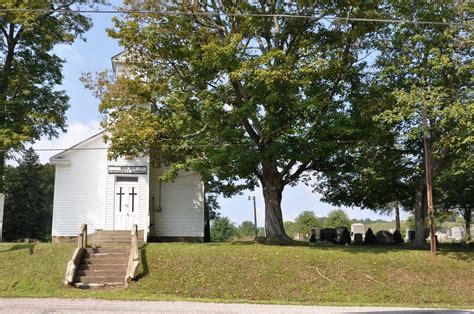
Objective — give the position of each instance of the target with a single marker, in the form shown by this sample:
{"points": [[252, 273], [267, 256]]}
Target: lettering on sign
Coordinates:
{"points": [[127, 169]]}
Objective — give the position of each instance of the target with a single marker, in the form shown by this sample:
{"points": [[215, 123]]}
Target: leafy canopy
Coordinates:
{"points": [[337, 218], [28, 199], [31, 105]]}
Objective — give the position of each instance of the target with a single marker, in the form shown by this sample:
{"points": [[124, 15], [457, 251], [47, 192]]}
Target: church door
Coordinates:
{"points": [[126, 205]]}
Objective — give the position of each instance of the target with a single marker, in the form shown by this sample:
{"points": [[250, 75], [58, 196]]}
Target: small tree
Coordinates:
{"points": [[246, 229], [222, 229], [337, 218], [29, 199], [304, 222]]}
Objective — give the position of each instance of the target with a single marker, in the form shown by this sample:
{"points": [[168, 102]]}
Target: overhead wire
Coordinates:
{"points": [[267, 15]]}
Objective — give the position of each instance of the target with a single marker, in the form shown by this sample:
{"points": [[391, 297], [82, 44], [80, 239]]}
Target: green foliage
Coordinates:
{"points": [[29, 190], [337, 218], [410, 223], [423, 76], [31, 105], [305, 221], [246, 229], [243, 100], [222, 229]]}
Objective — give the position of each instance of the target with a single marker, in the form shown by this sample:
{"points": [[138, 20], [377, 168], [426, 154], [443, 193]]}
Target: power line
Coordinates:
{"points": [[202, 145], [268, 15]]}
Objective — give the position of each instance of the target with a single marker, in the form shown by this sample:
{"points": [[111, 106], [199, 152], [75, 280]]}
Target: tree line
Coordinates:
{"points": [[268, 100]]}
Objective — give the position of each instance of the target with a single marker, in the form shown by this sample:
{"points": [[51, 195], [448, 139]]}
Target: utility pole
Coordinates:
{"points": [[429, 192], [254, 214], [429, 189]]}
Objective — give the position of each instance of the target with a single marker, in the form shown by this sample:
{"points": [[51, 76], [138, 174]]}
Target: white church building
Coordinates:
{"points": [[115, 194]]}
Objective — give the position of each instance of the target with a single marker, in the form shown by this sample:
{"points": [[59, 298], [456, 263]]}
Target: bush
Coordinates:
{"points": [[370, 237], [222, 229], [337, 218], [397, 237]]}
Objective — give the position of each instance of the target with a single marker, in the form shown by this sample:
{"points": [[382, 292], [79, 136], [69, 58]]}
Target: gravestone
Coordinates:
{"points": [[315, 235], [456, 234], [411, 235], [343, 235], [2, 201], [358, 228], [358, 238], [329, 234], [384, 237], [442, 236]]}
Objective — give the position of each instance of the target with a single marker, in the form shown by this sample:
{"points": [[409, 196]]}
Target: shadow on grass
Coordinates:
{"points": [[25, 246], [144, 261]]}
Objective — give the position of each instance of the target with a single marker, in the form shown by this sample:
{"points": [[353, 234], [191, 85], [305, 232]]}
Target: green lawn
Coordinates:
{"points": [[258, 273]]}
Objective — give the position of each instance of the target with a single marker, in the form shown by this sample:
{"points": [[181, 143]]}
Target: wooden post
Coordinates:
{"points": [[2, 202], [429, 193], [254, 215]]}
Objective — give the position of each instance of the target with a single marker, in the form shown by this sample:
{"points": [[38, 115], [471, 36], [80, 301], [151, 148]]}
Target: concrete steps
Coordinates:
{"points": [[112, 237], [103, 267]]}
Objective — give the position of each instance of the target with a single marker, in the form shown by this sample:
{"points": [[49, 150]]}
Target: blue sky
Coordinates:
{"points": [[83, 119]]}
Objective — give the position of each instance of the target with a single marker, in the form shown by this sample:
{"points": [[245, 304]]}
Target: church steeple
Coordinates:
{"points": [[118, 63]]}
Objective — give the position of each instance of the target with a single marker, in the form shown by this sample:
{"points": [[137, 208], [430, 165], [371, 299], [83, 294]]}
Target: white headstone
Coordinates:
{"points": [[358, 228], [442, 236], [392, 230], [456, 233], [2, 201]]}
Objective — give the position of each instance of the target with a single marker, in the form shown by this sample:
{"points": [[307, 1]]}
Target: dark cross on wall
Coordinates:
{"points": [[120, 199], [133, 199]]}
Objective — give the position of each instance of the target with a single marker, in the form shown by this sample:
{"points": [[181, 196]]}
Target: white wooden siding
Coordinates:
{"points": [[182, 204], [79, 190]]}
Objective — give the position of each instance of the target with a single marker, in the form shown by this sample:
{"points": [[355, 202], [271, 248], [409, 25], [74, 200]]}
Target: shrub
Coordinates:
{"points": [[222, 229], [397, 237], [370, 237]]}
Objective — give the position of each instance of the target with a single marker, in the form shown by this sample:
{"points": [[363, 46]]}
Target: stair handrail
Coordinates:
{"points": [[75, 261], [134, 259], [82, 238]]}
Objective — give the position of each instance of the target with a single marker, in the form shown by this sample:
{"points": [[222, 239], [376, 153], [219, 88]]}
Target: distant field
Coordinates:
{"points": [[258, 273]]}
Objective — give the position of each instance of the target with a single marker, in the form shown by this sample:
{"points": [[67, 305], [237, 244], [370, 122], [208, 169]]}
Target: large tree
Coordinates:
{"points": [[28, 199], [428, 69], [246, 100], [31, 105]]}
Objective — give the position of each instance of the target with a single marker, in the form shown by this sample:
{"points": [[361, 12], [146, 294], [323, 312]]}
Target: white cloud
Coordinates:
{"points": [[76, 132]]}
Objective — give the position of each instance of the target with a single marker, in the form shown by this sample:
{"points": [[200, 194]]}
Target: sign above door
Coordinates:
{"points": [[127, 169]]}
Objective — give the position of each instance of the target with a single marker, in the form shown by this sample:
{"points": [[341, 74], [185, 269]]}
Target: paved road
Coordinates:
{"points": [[106, 306]]}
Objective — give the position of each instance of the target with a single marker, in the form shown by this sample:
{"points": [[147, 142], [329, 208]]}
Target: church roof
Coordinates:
{"points": [[76, 146]]}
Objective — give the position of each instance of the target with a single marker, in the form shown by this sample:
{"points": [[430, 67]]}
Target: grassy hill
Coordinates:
{"points": [[257, 273]]}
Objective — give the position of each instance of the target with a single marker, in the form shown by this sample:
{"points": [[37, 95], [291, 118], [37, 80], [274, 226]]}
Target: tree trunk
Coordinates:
{"points": [[273, 186], [397, 217], [467, 214], [2, 170], [420, 215]]}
